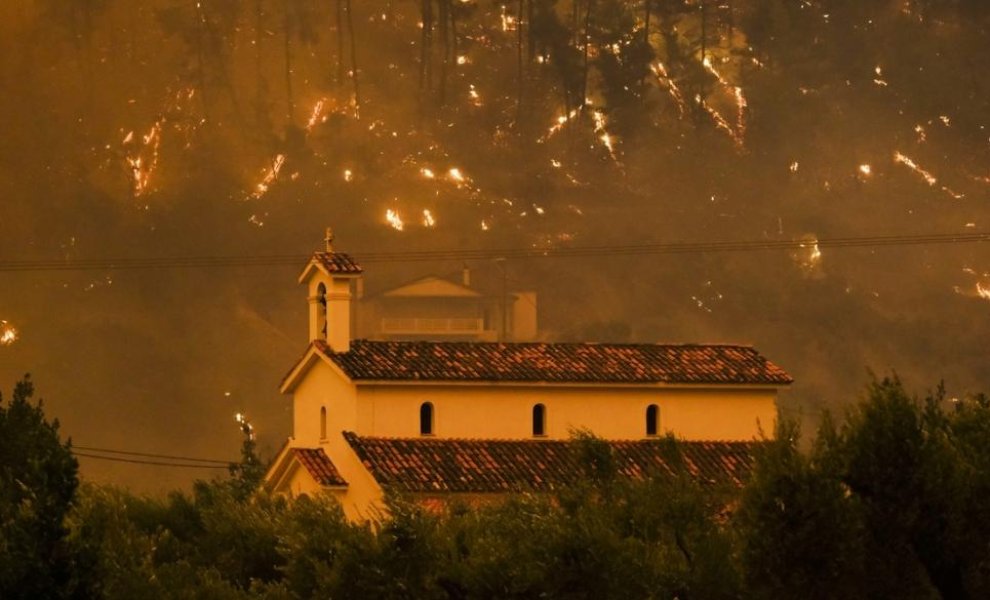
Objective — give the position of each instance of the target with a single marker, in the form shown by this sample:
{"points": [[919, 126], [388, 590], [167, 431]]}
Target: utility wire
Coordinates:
{"points": [[149, 455], [150, 462], [701, 247]]}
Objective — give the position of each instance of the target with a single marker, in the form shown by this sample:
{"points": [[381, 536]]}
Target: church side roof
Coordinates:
{"points": [[319, 466], [478, 466], [555, 363]]}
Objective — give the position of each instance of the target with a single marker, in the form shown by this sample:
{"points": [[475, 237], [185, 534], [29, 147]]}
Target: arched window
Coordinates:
{"points": [[652, 419], [321, 310], [426, 419], [539, 420], [323, 422]]}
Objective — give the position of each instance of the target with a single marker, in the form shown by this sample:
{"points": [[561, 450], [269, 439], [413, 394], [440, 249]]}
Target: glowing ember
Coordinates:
{"points": [[473, 94], [719, 120], [8, 334], [707, 63], [741, 106], [427, 173], [317, 115], [794, 167], [603, 134], [737, 93], [561, 121], [271, 174], [428, 220], [906, 161], [661, 72], [455, 174], [348, 175], [983, 291], [879, 78], [809, 256], [394, 220], [484, 225], [508, 21], [555, 163], [462, 60], [144, 163], [865, 170], [245, 424]]}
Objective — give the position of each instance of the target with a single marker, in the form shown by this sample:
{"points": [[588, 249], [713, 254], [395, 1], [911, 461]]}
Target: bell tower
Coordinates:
{"points": [[328, 278]]}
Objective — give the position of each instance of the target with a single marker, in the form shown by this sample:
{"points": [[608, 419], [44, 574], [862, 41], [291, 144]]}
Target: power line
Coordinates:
{"points": [[149, 462], [701, 247], [150, 455]]}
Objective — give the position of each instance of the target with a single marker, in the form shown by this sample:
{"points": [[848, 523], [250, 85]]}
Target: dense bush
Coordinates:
{"points": [[891, 503]]}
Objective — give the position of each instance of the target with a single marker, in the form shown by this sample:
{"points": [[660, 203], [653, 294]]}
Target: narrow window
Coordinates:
{"points": [[321, 317], [426, 419], [323, 422], [652, 419], [539, 420]]}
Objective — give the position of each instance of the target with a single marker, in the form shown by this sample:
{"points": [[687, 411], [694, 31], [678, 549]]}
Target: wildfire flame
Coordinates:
{"points": [[144, 162], [739, 134], [906, 161], [428, 220], [741, 106], [560, 122], [603, 134], [271, 174], [317, 115], [809, 256], [8, 334], [661, 72], [394, 220], [927, 176], [246, 427], [719, 120], [508, 21], [879, 80]]}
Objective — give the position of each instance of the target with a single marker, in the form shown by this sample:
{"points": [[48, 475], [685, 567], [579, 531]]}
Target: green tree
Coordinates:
{"points": [[800, 533], [890, 504], [38, 480]]}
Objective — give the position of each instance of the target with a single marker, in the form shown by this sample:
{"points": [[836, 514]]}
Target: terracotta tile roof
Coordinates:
{"points": [[337, 262], [558, 363], [319, 465], [424, 465]]}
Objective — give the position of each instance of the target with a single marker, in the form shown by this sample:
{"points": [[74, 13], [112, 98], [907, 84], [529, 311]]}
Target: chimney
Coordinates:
{"points": [[466, 276]]}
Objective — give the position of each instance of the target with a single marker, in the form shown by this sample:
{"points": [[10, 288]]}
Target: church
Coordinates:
{"points": [[474, 419]]}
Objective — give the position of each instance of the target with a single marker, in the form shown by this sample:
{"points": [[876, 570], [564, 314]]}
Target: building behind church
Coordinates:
{"points": [[474, 304]]}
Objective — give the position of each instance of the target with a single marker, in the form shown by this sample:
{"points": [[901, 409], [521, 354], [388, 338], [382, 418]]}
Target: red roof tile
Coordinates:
{"points": [[337, 262], [558, 363], [319, 465], [477, 466]]}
